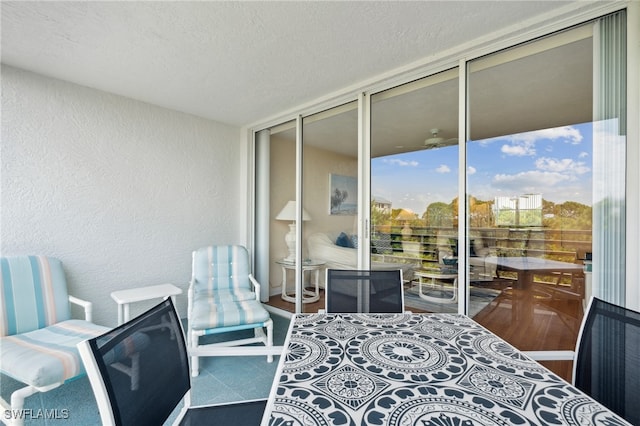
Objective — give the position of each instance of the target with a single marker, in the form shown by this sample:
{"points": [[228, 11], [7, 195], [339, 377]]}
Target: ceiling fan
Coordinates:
{"points": [[436, 141]]}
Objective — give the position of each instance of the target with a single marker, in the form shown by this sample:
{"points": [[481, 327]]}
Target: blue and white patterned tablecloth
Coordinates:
{"points": [[416, 370]]}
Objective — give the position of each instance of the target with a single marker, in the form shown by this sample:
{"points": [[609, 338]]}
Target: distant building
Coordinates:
{"points": [[523, 210], [381, 204]]}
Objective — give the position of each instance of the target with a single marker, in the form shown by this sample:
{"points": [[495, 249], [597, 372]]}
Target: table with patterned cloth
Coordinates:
{"points": [[418, 370]]}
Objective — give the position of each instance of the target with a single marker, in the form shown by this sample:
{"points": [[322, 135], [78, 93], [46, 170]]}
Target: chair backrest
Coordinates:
{"points": [[220, 268], [156, 339], [351, 291], [33, 294], [607, 365]]}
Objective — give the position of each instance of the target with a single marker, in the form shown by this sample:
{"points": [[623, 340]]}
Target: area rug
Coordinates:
{"points": [[479, 299]]}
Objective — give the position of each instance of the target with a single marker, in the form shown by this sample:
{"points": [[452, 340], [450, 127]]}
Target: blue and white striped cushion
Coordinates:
{"points": [[221, 268], [48, 355], [225, 296], [33, 294], [208, 314]]}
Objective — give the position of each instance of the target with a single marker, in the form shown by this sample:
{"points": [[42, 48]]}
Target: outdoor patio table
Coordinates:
{"points": [[416, 369], [526, 267]]}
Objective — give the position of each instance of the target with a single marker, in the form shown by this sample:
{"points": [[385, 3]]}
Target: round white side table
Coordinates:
{"points": [[308, 296], [437, 278]]}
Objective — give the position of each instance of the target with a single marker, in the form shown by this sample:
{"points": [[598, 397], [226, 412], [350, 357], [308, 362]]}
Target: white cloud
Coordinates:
{"points": [[471, 170], [443, 169], [401, 163], [519, 149], [583, 154], [568, 133], [524, 144], [565, 165], [533, 180]]}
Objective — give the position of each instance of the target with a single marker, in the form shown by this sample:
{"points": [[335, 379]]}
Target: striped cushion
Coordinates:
{"points": [[221, 268], [49, 355], [224, 296], [208, 314], [33, 294]]}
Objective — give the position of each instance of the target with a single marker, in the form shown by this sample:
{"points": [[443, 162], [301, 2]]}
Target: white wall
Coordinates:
{"points": [[121, 191]]}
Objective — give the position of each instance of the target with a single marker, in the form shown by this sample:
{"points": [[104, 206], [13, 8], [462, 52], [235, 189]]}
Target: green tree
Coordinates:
{"points": [[439, 214]]}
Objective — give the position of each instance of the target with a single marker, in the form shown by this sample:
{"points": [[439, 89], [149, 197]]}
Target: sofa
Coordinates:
{"points": [[322, 246]]}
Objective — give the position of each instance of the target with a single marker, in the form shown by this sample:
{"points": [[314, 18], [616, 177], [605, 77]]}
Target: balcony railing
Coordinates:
{"points": [[426, 242]]}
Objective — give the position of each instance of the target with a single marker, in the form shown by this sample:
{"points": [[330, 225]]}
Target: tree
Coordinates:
{"points": [[438, 214], [337, 198]]}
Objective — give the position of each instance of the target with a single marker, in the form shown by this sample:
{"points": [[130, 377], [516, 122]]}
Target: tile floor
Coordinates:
{"points": [[221, 379]]}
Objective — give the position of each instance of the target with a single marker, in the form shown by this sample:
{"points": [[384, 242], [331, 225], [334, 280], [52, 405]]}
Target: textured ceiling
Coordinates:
{"points": [[240, 62]]}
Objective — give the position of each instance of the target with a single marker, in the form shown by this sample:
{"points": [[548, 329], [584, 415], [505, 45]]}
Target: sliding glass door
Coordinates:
{"points": [[545, 170], [278, 157], [329, 197], [414, 188], [517, 224]]}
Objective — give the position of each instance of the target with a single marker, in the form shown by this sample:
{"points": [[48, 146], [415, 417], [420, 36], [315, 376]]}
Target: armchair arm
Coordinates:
{"points": [[256, 286], [190, 293], [86, 305]]}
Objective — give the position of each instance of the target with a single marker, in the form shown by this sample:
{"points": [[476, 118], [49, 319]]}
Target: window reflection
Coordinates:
{"points": [[414, 188], [530, 186]]}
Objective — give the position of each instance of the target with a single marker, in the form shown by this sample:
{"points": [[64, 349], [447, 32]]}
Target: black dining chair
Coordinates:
{"points": [[607, 362], [358, 291], [164, 379]]}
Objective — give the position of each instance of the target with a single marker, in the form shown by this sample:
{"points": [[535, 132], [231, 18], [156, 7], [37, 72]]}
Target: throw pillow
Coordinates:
{"points": [[343, 240]]}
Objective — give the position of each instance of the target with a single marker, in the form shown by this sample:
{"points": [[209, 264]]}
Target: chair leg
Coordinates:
{"points": [[267, 338], [270, 338], [195, 364], [16, 413]]}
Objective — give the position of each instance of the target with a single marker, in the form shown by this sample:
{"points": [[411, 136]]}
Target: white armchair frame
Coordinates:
{"points": [[229, 347]]}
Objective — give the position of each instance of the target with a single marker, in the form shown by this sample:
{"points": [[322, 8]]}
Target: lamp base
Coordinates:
{"points": [[290, 240]]}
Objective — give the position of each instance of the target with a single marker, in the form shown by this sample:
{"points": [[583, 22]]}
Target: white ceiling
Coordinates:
{"points": [[240, 62]]}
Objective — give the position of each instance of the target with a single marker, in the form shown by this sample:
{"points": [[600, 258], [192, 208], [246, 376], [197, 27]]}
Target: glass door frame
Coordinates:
{"points": [[467, 54]]}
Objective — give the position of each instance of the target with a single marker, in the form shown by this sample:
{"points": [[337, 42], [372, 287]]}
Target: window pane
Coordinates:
{"points": [[414, 188], [330, 196], [282, 189], [531, 164]]}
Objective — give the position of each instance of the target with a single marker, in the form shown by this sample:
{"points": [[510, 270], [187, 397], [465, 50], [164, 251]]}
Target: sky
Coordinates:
{"points": [[556, 163]]}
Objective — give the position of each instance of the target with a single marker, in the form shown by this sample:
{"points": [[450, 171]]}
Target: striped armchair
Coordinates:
{"points": [[38, 337], [223, 296]]}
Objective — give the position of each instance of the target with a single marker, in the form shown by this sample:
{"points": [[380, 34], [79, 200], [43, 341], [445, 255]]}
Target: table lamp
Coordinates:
{"points": [[288, 212], [406, 215]]}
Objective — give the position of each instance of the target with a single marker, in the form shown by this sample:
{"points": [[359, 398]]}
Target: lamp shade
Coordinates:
{"points": [[288, 212]]}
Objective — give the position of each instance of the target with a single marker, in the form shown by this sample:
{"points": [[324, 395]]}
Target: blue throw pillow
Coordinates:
{"points": [[354, 240], [343, 240]]}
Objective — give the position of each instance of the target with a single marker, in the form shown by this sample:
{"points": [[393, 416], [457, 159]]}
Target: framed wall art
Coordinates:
{"points": [[343, 195]]}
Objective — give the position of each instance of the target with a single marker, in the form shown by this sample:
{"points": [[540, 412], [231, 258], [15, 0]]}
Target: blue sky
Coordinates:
{"points": [[556, 163]]}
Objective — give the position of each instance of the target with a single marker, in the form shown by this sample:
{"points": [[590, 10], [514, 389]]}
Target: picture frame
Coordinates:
{"points": [[343, 195]]}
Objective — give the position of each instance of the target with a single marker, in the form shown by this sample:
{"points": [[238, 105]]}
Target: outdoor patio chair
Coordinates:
{"points": [[38, 337], [607, 365], [354, 291], [224, 297], [606, 362], [164, 382]]}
